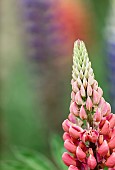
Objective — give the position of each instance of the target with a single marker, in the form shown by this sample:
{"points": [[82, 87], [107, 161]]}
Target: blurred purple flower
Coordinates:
{"points": [[45, 34], [110, 50]]}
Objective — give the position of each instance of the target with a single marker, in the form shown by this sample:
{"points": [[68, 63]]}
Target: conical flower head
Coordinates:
{"points": [[90, 131], [82, 70]]}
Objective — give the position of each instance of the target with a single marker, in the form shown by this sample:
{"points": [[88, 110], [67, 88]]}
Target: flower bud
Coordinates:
{"points": [[82, 113], [68, 160], [66, 124], [72, 96], [69, 145], [96, 97], [103, 149], [80, 154], [75, 87], [97, 115], [75, 132], [74, 109], [82, 91], [91, 161], [91, 80], [89, 104], [105, 128], [111, 161], [112, 143], [66, 136], [78, 98], [72, 118], [89, 90], [112, 121], [85, 82]]}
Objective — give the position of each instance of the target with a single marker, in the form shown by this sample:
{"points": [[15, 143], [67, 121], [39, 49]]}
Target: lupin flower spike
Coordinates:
{"points": [[90, 128]]}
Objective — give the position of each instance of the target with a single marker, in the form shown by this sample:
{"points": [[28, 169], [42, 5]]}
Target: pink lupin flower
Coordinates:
{"points": [[72, 118], [73, 96], [90, 128], [80, 154], [71, 167], [66, 124], [112, 121], [66, 136], [82, 113], [103, 149], [97, 115], [105, 128], [68, 160], [112, 143], [111, 161], [89, 103], [69, 145], [82, 91], [96, 97], [75, 132], [91, 161], [78, 98], [75, 87], [74, 108], [89, 90]]}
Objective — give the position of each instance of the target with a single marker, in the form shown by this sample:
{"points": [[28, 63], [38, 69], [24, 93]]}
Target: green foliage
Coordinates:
{"points": [[26, 159], [57, 149]]}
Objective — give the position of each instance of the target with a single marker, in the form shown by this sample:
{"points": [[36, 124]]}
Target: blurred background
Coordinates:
{"points": [[37, 39]]}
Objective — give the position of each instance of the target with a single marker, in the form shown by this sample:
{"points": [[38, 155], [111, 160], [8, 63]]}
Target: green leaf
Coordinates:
{"points": [[57, 150], [34, 159]]}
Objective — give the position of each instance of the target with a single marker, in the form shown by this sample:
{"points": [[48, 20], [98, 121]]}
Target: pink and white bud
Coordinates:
{"points": [[72, 118], [71, 167], [85, 82], [66, 125], [66, 136], [97, 115], [95, 85], [100, 91], [69, 145], [91, 80], [82, 91], [75, 87], [73, 96], [112, 143], [91, 161], [89, 104], [75, 132], [103, 149], [111, 161], [79, 82], [89, 90], [80, 154], [102, 101], [78, 98], [108, 108], [82, 113], [104, 109], [112, 121], [105, 129], [74, 108], [96, 97], [68, 160]]}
